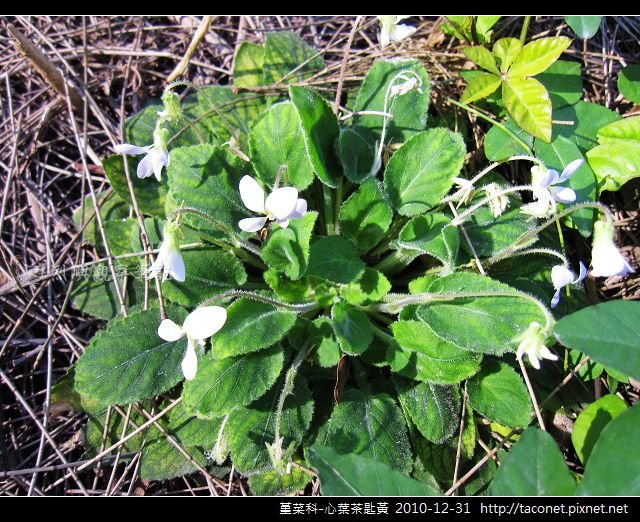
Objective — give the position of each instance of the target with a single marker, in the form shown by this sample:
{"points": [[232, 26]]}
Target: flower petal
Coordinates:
{"points": [[252, 194], [570, 169], [563, 194], [159, 159], [556, 298], [546, 354], [145, 167], [204, 322], [170, 331], [131, 150], [300, 210], [252, 224], [582, 275], [561, 276], [534, 360], [284, 223], [190, 362], [384, 37], [400, 32], [608, 261], [175, 263], [282, 202]]}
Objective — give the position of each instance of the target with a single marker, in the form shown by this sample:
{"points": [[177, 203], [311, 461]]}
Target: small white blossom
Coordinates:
{"points": [[408, 84], [532, 345], [606, 259], [561, 276], [199, 325], [156, 155], [280, 206], [545, 191], [392, 31], [169, 260], [498, 202]]}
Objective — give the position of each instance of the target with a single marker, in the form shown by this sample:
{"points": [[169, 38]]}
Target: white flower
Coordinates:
{"points": [[464, 193], [561, 276], [408, 84], [169, 260], [156, 157], [391, 31], [532, 345], [545, 193], [606, 259], [199, 325], [280, 206], [498, 202]]}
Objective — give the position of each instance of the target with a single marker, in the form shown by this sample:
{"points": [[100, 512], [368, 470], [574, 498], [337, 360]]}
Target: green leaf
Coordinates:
{"points": [[435, 360], [614, 163], [276, 141], [96, 294], [498, 393], [287, 249], [528, 103], [356, 475], [287, 290], [629, 83], [615, 159], [431, 234], [335, 259], [592, 421], [288, 57], [485, 324], [356, 153], [409, 110], [320, 132], [128, 361], [120, 234], [614, 461], [251, 428], [161, 460], [557, 155], [538, 55], [506, 50], [150, 194], [64, 395], [207, 178], [247, 65], [533, 467], [223, 385], [625, 129], [483, 58], [209, 272], [112, 208], [563, 80], [499, 146], [421, 172], [366, 215], [587, 118], [328, 353], [434, 409], [271, 483], [352, 328], [584, 26], [370, 288], [250, 326], [606, 332], [227, 114], [490, 235], [368, 425], [481, 86], [98, 430], [192, 431]]}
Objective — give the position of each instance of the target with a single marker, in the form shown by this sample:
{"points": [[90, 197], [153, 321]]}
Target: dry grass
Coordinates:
{"points": [[50, 150]]}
